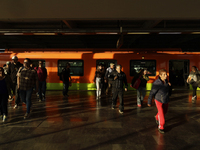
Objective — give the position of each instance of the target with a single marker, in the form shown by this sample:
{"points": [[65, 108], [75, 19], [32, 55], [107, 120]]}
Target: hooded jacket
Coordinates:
{"points": [[160, 91]]}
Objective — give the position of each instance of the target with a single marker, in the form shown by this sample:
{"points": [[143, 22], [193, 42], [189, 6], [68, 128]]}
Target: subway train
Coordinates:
{"points": [[83, 64]]}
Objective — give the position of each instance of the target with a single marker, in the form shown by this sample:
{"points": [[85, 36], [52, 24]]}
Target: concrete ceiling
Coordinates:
{"points": [[125, 34]]}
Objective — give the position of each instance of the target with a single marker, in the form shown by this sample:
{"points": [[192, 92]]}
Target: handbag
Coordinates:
{"points": [[136, 84]]}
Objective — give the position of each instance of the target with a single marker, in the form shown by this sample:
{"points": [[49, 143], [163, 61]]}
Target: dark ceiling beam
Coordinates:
{"points": [[98, 30], [183, 39], [4, 25], [98, 49], [150, 24], [147, 25], [69, 24]]}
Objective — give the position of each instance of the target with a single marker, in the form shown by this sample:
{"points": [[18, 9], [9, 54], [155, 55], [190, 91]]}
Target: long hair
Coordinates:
{"points": [[195, 68]]}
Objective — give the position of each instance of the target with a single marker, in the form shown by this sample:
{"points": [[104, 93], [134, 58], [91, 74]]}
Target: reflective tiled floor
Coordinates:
{"points": [[82, 122]]}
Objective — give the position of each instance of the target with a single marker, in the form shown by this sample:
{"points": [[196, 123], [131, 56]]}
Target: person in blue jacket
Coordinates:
{"points": [[161, 91]]}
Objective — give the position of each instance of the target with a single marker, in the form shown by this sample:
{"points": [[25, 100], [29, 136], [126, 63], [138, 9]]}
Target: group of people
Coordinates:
{"points": [[116, 80], [19, 80]]}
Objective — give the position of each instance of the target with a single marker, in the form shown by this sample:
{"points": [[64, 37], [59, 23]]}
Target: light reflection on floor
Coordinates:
{"points": [[82, 122]]}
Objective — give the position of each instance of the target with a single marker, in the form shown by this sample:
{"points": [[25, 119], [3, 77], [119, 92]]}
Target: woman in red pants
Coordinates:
{"points": [[160, 90]]}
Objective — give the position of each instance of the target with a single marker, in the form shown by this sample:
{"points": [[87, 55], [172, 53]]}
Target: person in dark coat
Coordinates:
{"points": [[66, 77], [5, 86], [161, 91], [118, 83], [12, 71]]}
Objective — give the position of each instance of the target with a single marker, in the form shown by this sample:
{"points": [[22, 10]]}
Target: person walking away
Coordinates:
{"points": [[118, 83], [5, 86], [109, 78], [66, 79], [141, 91], [160, 90], [98, 79], [28, 78], [6, 71], [193, 79], [42, 76], [12, 71]]}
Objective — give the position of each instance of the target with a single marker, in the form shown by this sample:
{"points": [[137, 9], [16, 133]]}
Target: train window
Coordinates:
{"points": [[35, 62], [137, 65], [76, 67], [106, 63]]}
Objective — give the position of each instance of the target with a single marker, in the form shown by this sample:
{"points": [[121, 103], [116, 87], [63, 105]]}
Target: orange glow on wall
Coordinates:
{"points": [[48, 55], [103, 56]]}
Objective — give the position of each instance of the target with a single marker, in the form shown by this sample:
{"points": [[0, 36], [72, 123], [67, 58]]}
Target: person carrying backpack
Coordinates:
{"points": [[193, 79]]}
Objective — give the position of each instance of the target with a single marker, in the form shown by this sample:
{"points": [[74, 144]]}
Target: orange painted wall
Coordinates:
{"points": [[51, 59]]}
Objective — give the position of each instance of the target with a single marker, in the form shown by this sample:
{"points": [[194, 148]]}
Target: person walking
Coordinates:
{"points": [[28, 79], [5, 86], [42, 76], [109, 77], [12, 71], [193, 79], [161, 91], [98, 79], [118, 83], [141, 91], [66, 78]]}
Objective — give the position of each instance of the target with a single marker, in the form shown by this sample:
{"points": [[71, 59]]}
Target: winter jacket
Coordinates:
{"points": [[160, 91], [12, 71], [120, 80], [144, 79]]}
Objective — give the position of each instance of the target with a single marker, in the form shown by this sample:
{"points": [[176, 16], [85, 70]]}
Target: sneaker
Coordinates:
{"points": [[15, 106], [194, 99], [156, 120], [39, 100], [139, 105], [26, 115], [113, 107], [161, 130], [4, 118], [121, 112]]}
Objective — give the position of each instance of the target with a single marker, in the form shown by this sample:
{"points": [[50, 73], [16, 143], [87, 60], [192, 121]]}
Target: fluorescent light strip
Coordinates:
{"points": [[138, 33], [13, 34], [169, 32], [44, 33]]}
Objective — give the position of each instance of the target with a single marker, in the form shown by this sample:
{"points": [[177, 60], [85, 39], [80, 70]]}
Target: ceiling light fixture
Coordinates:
{"points": [[169, 33], [138, 33]]}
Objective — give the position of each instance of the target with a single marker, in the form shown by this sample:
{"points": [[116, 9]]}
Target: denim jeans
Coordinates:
{"points": [[98, 86], [42, 89], [26, 97], [17, 95], [141, 92], [65, 88]]}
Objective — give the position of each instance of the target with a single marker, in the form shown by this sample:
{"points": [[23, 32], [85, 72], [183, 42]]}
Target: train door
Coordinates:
{"points": [[106, 62], [178, 73]]}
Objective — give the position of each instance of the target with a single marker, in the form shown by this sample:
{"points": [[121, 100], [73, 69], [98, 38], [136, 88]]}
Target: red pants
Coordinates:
{"points": [[162, 110]]}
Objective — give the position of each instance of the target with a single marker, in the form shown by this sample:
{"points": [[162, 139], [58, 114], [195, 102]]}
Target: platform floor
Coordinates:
{"points": [[82, 122]]}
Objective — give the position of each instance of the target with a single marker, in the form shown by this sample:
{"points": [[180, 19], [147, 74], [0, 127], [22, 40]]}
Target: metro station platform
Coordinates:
{"points": [[80, 122]]}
